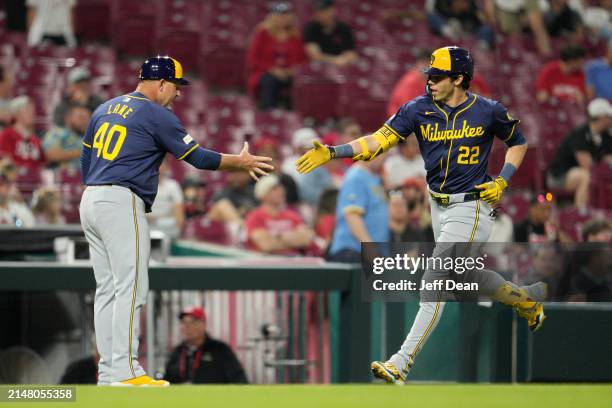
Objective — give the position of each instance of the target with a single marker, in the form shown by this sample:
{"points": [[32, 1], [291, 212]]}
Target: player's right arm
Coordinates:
{"points": [[367, 148]]}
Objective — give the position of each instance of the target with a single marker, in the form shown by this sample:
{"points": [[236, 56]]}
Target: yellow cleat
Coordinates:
{"points": [[387, 372], [534, 315], [142, 381]]}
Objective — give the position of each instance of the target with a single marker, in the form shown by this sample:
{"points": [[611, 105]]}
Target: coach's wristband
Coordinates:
{"points": [[343, 150], [507, 171]]}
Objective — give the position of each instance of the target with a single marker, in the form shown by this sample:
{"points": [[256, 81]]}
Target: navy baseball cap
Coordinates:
{"points": [[162, 67], [451, 61]]}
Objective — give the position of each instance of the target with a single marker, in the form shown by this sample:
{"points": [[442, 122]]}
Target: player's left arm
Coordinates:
{"points": [[505, 128]]}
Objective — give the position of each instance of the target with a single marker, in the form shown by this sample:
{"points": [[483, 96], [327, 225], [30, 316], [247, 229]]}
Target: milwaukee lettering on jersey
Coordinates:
{"points": [[434, 134]]}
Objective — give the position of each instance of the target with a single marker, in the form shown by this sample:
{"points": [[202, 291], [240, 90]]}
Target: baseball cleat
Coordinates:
{"points": [[142, 381], [534, 312], [387, 372], [534, 315]]}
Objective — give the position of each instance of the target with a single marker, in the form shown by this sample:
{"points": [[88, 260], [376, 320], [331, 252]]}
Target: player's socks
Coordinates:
{"points": [[142, 381]]}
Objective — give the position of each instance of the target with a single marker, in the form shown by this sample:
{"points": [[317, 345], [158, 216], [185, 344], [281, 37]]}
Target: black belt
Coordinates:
{"points": [[444, 199]]}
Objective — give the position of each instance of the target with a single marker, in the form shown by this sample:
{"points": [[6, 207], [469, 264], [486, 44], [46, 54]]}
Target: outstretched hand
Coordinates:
{"points": [[255, 165], [313, 158]]}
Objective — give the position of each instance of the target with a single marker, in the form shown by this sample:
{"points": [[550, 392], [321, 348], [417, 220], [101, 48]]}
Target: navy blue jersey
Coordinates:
{"points": [[128, 137], [455, 142]]}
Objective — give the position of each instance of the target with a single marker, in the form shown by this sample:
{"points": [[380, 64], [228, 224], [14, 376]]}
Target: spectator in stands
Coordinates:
{"points": [[301, 142], [236, 199], [450, 18], [12, 212], [62, 144], [563, 79], [596, 18], [597, 230], [400, 225], [272, 227], [78, 92], [325, 221], [411, 84], [539, 225], [593, 280], [327, 39], [275, 52], [311, 185], [201, 359], [8, 168], [563, 21], [511, 17], [167, 214], [582, 148], [417, 201], [194, 197], [19, 142], [5, 98], [83, 370], [408, 163], [348, 130], [51, 21], [547, 266], [362, 213], [270, 148], [47, 206], [598, 74]]}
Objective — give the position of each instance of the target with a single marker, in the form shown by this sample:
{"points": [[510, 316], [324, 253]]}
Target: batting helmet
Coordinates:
{"points": [[451, 61], [162, 67]]}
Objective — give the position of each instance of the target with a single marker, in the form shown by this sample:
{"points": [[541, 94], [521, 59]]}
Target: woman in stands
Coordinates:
{"points": [[275, 51]]}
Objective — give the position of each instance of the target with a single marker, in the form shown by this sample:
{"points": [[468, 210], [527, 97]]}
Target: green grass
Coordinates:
{"points": [[296, 396]]}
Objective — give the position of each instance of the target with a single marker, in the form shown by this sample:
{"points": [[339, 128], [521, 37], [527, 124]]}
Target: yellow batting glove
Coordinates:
{"points": [[492, 191], [313, 158]]}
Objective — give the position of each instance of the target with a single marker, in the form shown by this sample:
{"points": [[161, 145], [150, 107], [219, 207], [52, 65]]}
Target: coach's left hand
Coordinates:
{"points": [[492, 191]]}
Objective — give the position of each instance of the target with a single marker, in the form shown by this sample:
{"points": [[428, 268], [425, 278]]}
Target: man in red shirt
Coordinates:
{"points": [[19, 142], [272, 227], [563, 79], [411, 84]]}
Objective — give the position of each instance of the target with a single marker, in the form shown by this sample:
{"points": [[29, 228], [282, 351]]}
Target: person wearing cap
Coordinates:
{"points": [[582, 148], [275, 51], [19, 142], [540, 225], [274, 228], [455, 130], [598, 74], [199, 358], [62, 144], [78, 92], [563, 79], [327, 39], [269, 147], [362, 213], [123, 147]]}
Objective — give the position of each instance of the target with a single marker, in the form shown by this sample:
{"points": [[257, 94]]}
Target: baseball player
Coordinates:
{"points": [[124, 145], [455, 131]]}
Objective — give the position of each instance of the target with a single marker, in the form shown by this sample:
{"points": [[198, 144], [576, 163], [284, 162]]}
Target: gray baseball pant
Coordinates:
{"points": [[459, 222], [113, 219]]}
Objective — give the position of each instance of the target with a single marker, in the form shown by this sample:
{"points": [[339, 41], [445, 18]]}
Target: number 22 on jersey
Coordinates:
{"points": [[468, 155], [104, 137]]}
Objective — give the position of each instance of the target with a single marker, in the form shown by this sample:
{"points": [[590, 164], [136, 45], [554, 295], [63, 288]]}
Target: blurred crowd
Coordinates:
{"points": [[331, 210]]}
